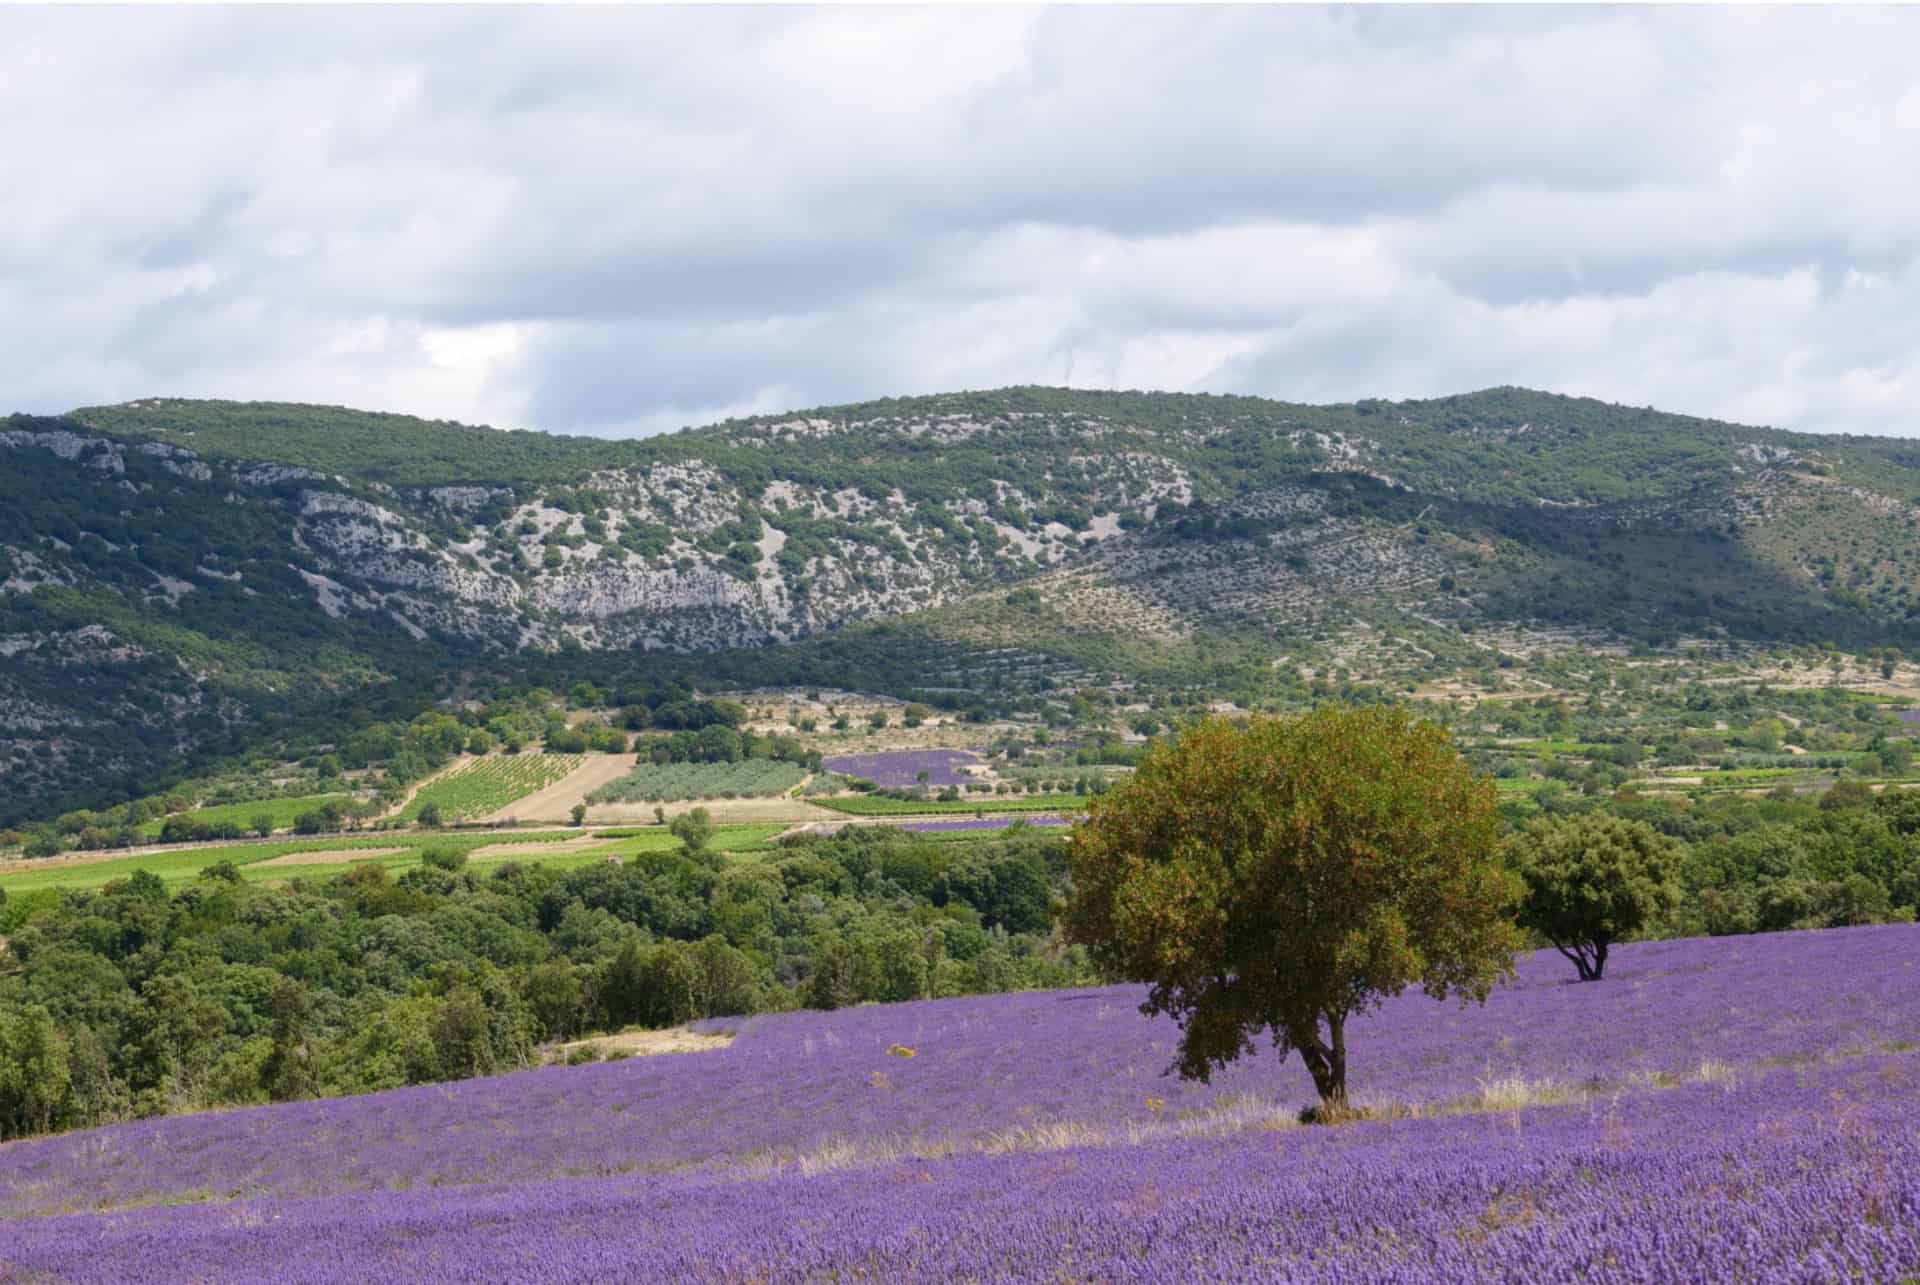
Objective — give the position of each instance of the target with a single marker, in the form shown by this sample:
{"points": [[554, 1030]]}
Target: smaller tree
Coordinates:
{"points": [[36, 1084], [451, 860], [1594, 880], [694, 829], [579, 813], [429, 816]]}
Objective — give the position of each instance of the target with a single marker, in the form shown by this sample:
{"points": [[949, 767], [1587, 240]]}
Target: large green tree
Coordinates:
{"points": [[1594, 880], [1285, 875]]}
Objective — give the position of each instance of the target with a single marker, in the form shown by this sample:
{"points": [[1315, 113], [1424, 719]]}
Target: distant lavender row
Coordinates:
{"points": [[797, 1082], [985, 823], [899, 768], [1786, 1176]]}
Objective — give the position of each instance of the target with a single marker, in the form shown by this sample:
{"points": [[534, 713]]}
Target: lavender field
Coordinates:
{"points": [[898, 769], [1735, 1108]]}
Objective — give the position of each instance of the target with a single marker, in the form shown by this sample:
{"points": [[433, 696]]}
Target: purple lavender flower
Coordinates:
{"points": [[899, 768], [985, 823], [1733, 1108]]}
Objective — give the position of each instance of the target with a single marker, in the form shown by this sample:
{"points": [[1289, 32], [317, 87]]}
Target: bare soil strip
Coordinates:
{"points": [[553, 848], [723, 811], [555, 803], [331, 857]]}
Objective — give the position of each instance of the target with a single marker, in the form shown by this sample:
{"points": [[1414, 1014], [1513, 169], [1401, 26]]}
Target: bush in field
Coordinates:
{"points": [[694, 829], [1594, 880], [449, 859], [325, 819], [1286, 875]]}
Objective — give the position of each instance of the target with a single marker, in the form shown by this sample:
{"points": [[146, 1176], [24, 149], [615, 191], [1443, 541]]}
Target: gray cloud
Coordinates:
{"points": [[624, 220]]}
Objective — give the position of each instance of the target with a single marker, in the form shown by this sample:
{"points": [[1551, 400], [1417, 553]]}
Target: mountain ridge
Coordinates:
{"points": [[201, 564]]}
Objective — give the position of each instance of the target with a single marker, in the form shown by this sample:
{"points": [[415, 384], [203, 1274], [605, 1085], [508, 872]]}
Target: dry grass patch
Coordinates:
{"points": [[676, 1039]]}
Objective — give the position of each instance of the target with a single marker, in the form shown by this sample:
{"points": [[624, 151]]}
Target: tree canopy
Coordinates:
{"points": [[1284, 875], [1594, 880]]}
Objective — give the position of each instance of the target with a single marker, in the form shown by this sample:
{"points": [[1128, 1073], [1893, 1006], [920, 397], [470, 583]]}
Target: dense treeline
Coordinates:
{"points": [[131, 1000], [1849, 856]]}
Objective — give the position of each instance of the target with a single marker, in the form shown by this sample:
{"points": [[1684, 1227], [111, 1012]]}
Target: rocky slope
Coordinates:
{"points": [[173, 568]]}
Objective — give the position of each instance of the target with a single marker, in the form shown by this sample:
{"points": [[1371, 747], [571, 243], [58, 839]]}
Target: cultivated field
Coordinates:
{"points": [[283, 811], [1729, 1108], [557, 801], [331, 854], [981, 825], [479, 787], [673, 782], [867, 805], [902, 768]]}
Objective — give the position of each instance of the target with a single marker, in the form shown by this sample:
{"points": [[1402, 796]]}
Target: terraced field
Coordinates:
{"points": [[482, 786]]}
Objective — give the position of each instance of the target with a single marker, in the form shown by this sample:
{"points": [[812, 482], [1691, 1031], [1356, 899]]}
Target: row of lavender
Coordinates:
{"points": [[901, 769], [1786, 1176], [982, 823], [808, 1083]]}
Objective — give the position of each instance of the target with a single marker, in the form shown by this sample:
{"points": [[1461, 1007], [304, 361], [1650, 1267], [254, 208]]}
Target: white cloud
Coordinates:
{"points": [[618, 220]]}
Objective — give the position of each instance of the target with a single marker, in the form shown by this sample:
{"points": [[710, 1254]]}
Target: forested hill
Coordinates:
{"points": [[1501, 445], [171, 569]]}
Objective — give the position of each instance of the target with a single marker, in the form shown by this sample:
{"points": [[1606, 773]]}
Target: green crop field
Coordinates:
{"points": [[283, 811], [668, 782], [482, 786], [180, 865], [726, 838], [867, 805]]}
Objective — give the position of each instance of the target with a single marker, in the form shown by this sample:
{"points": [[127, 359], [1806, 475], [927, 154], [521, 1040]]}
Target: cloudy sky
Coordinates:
{"points": [[621, 221]]}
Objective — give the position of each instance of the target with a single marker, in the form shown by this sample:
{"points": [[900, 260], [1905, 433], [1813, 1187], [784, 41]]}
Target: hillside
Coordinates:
{"points": [[172, 570], [1727, 1108]]}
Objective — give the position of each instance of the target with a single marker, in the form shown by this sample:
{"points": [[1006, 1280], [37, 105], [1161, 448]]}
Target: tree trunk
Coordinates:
{"points": [[1589, 959], [1326, 1060]]}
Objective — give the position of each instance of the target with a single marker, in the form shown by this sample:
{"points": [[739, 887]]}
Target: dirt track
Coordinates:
{"points": [[555, 803]]}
